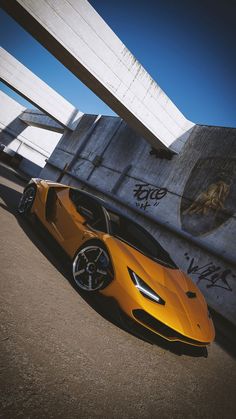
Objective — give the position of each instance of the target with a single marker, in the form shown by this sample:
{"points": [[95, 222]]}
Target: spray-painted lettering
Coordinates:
{"points": [[215, 275], [147, 195]]}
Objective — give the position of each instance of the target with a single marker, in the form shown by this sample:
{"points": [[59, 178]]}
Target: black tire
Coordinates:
{"points": [[92, 267], [27, 200]]}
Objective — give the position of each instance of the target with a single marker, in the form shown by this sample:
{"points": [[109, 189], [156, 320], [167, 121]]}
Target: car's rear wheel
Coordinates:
{"points": [[92, 267], [27, 200]]}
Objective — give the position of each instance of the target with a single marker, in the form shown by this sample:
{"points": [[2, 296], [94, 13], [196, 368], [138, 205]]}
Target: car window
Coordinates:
{"points": [[89, 208], [136, 236]]}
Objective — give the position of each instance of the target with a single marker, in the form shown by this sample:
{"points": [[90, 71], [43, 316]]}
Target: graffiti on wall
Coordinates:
{"points": [[209, 197], [147, 196], [214, 275]]}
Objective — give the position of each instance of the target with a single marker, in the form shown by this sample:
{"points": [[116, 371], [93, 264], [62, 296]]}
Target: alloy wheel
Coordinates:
{"points": [[92, 268], [26, 200]]}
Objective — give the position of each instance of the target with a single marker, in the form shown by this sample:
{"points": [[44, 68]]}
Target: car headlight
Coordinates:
{"points": [[144, 289]]}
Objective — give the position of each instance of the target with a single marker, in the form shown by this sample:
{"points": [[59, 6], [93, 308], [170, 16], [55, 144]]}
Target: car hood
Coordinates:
{"points": [[185, 307]]}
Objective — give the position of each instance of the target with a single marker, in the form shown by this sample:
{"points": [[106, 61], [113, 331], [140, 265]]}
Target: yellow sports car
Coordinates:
{"points": [[112, 254]]}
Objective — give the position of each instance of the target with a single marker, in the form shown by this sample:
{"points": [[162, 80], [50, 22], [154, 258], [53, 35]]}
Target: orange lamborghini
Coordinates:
{"points": [[113, 255]]}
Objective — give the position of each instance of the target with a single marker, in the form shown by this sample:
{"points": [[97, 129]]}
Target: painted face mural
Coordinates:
{"points": [[209, 195]]}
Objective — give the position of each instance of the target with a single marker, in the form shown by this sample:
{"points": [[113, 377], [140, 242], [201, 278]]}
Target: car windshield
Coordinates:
{"points": [[136, 236]]}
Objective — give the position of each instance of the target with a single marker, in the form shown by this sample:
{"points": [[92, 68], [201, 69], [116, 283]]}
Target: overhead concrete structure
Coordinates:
{"points": [[33, 145], [37, 118], [75, 33], [27, 84]]}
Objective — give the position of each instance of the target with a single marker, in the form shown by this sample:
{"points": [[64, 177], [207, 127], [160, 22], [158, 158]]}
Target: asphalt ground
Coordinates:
{"points": [[63, 355]]}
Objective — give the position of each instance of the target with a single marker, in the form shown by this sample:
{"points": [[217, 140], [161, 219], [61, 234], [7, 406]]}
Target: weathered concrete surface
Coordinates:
{"points": [[34, 144], [192, 196], [74, 32], [31, 87], [61, 358], [37, 118]]}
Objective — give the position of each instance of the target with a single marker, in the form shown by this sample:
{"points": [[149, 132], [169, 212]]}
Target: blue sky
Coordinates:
{"points": [[188, 47]]}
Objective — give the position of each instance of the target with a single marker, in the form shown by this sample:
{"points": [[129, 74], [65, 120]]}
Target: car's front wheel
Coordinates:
{"points": [[92, 267], [27, 200]]}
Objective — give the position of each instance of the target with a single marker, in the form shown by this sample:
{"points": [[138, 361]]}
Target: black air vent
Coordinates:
{"points": [[191, 294], [163, 329]]}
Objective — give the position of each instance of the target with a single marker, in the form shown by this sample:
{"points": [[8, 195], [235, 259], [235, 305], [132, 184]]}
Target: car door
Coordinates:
{"points": [[71, 215], [63, 220]]}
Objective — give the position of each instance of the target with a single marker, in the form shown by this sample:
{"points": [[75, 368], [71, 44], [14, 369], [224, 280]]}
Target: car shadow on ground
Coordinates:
{"points": [[11, 174], [106, 307]]}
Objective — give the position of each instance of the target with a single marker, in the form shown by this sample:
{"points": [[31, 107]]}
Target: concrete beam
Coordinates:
{"points": [[32, 88], [75, 33], [30, 142], [39, 119]]}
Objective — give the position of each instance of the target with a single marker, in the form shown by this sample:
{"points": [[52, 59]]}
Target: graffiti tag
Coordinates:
{"points": [[215, 275], [147, 196]]}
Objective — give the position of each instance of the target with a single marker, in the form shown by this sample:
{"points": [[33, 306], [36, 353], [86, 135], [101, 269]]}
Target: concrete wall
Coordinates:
{"points": [[187, 203], [34, 144], [75, 33], [31, 87]]}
